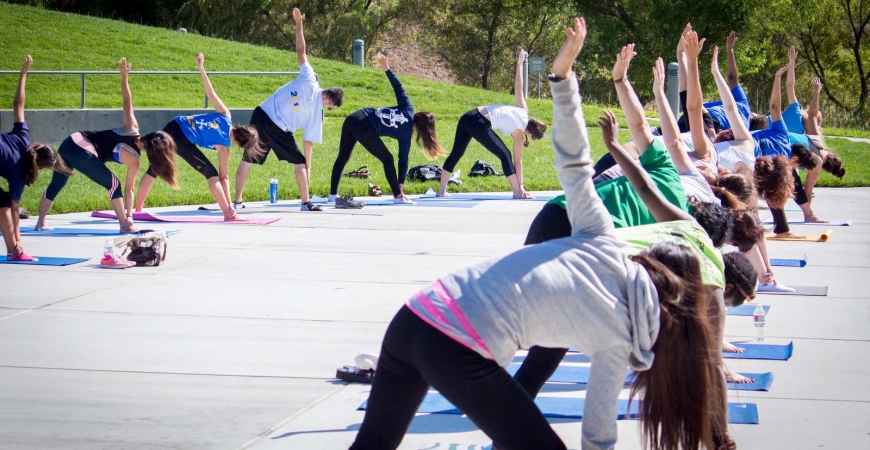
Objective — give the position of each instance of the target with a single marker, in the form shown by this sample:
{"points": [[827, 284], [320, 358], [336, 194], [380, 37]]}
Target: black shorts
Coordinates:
{"points": [[275, 139], [5, 199]]}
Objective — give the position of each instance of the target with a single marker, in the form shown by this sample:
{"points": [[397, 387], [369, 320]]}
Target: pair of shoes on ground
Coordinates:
{"points": [[115, 262], [20, 257], [362, 172], [307, 206]]}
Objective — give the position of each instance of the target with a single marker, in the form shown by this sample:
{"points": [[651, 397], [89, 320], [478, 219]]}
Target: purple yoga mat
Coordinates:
{"points": [[147, 217]]}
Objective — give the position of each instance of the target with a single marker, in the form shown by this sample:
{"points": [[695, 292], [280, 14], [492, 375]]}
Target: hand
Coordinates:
{"points": [[383, 61], [714, 64], [200, 60], [521, 56], [28, 62], [792, 54], [124, 66], [609, 129], [729, 43], [781, 71], [623, 60], [680, 48], [693, 45], [574, 39], [659, 75], [298, 17], [817, 84]]}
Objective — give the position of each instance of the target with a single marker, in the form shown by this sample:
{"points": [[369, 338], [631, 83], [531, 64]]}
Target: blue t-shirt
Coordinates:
{"points": [[717, 111], [772, 141], [206, 130], [12, 145], [794, 121], [396, 122]]}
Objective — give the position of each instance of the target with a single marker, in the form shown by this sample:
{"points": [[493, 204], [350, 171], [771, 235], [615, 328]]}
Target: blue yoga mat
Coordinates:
{"points": [[744, 310], [781, 352], [789, 262], [29, 231], [572, 408], [763, 382], [45, 261]]}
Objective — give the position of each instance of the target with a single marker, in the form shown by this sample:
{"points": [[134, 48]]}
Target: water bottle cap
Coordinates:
{"points": [[274, 180]]}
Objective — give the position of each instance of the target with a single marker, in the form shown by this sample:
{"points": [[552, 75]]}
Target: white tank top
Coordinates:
{"points": [[507, 119], [730, 155], [701, 163]]}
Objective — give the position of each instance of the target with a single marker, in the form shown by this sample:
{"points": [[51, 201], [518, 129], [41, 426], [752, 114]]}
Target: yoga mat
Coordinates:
{"points": [[763, 382], [744, 310], [833, 223], [572, 408], [809, 237], [369, 201], [779, 352], [29, 231], [789, 262], [45, 261], [431, 194], [813, 291], [148, 217]]}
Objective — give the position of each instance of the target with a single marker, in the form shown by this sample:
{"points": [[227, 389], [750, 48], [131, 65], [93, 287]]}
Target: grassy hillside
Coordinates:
{"points": [[60, 41]]}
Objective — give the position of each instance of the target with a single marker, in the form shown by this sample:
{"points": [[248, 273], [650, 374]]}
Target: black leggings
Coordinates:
{"points": [[473, 125], [77, 158], [780, 221], [358, 128], [188, 152], [414, 356]]}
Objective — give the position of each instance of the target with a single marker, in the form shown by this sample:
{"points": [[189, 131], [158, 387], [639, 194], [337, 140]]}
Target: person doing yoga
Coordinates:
{"points": [[458, 334], [512, 121], [20, 163], [399, 122], [297, 104], [89, 151], [213, 131]]}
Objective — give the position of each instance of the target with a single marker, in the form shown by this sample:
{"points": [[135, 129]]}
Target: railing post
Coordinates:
{"points": [[358, 52], [674, 88], [525, 75], [83, 91]]}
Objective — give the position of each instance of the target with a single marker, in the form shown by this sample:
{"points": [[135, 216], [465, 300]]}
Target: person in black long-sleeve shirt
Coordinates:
{"points": [[399, 122]]}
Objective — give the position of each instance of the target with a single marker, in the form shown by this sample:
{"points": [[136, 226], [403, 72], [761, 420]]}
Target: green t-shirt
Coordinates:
{"points": [[624, 205], [684, 232]]}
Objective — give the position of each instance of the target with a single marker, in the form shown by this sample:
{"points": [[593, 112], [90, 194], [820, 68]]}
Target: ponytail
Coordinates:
{"points": [[160, 148], [833, 164], [247, 138], [39, 156], [424, 126]]}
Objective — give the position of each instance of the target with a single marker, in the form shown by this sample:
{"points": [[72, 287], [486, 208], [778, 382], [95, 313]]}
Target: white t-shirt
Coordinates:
{"points": [[507, 119], [697, 186], [298, 104], [730, 155]]}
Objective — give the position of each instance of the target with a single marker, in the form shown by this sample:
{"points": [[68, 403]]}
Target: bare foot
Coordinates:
{"points": [[442, 194], [734, 377], [814, 219], [42, 227], [524, 195], [789, 234], [731, 348]]}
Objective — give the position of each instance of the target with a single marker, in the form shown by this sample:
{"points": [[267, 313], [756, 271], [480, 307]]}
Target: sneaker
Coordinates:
{"points": [[308, 206], [21, 257], [115, 262], [348, 203], [238, 205], [354, 374], [403, 201]]}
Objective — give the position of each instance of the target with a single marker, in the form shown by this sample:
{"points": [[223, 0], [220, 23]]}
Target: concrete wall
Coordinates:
{"points": [[52, 126]]}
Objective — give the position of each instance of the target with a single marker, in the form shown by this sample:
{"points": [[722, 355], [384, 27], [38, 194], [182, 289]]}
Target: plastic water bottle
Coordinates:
{"points": [[758, 318], [273, 191], [108, 247]]}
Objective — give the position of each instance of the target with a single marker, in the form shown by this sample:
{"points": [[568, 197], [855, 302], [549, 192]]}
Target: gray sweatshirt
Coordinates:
{"points": [[577, 292]]}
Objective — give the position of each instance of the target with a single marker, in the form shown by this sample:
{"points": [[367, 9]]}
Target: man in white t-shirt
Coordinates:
{"points": [[297, 104]]}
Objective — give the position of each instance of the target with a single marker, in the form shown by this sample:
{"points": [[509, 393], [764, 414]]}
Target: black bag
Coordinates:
{"points": [[482, 169], [425, 172], [147, 250]]}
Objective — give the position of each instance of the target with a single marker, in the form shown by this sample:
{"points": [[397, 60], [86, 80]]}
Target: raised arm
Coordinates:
{"points": [[776, 95], [681, 74], [638, 126], [402, 98], [129, 117], [219, 106], [658, 205], [731, 61], [18, 103], [301, 55], [668, 124], [789, 79], [813, 111], [738, 128], [571, 141], [695, 96], [519, 98]]}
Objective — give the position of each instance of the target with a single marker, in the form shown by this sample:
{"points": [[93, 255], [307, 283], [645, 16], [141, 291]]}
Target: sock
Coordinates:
{"points": [[332, 198]]}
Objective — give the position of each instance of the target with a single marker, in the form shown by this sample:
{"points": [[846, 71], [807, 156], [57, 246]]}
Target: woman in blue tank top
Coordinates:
{"points": [[213, 131]]}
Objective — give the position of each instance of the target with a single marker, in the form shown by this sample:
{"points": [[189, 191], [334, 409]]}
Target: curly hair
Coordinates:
{"points": [[740, 274], [745, 230], [715, 220], [773, 180]]}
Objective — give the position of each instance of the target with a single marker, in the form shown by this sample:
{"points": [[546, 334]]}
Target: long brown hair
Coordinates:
{"points": [[248, 139], [40, 156], [684, 416], [833, 164], [536, 129], [733, 190], [424, 126], [773, 180], [160, 148]]}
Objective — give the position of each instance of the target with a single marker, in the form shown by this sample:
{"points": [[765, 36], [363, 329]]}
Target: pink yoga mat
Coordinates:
{"points": [[147, 217]]}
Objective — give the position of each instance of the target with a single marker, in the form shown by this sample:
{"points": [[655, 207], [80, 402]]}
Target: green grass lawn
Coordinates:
{"points": [[60, 41]]}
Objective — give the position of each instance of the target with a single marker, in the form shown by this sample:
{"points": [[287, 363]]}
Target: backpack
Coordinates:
{"points": [[148, 249], [425, 172], [482, 169]]}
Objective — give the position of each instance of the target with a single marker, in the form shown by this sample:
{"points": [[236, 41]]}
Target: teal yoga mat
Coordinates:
{"points": [[45, 261], [780, 352]]}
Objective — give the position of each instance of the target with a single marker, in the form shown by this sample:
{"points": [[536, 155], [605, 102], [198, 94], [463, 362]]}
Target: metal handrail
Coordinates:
{"points": [[84, 73]]}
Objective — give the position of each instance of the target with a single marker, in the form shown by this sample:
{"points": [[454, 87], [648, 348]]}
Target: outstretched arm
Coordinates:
{"points": [[695, 96], [668, 124], [519, 98], [738, 128], [18, 103], [776, 95], [129, 117], [658, 205], [731, 61], [638, 126], [789, 79], [681, 75], [219, 106], [301, 55], [813, 111], [402, 98]]}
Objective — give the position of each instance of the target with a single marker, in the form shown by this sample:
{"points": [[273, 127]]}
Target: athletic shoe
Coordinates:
{"points": [[354, 374], [773, 287], [403, 201], [115, 262], [308, 206], [348, 203], [21, 257], [238, 205]]}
